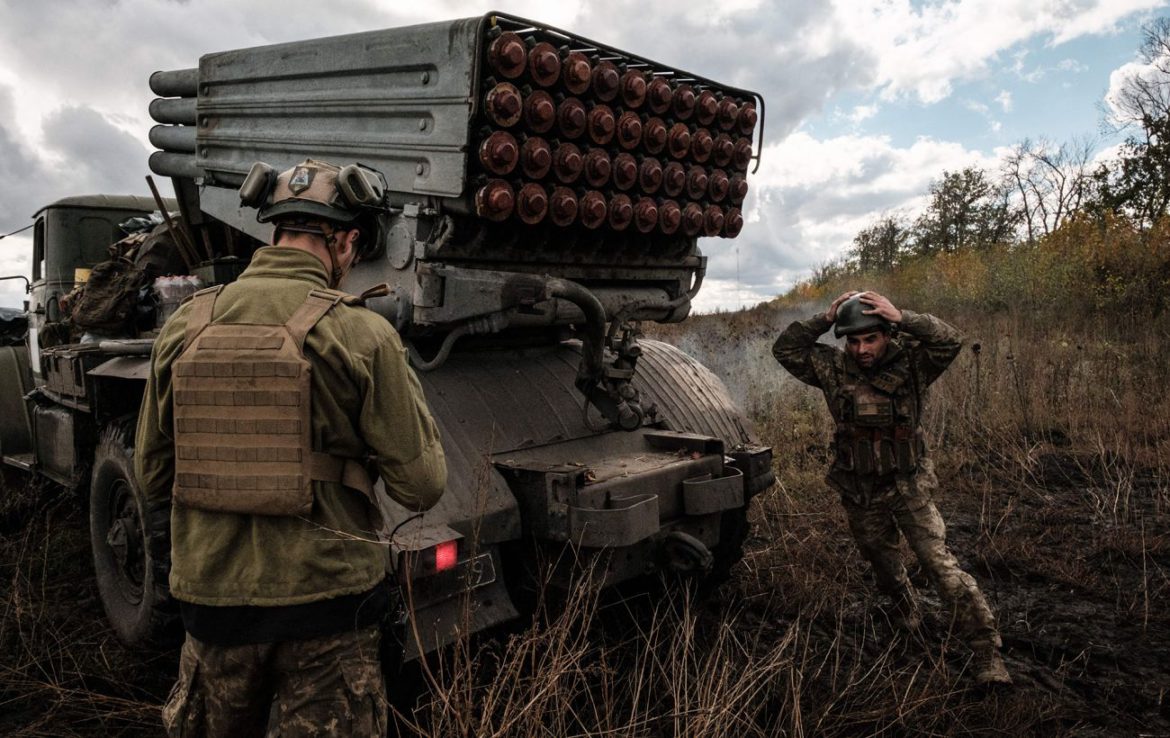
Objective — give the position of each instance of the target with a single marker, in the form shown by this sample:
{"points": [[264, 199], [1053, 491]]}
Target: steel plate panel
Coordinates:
{"points": [[398, 100], [496, 401]]}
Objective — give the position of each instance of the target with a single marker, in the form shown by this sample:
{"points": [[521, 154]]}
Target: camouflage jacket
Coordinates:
{"points": [[869, 456], [366, 400]]}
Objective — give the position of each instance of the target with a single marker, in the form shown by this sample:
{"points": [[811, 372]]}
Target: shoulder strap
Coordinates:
{"points": [[316, 304], [202, 309]]}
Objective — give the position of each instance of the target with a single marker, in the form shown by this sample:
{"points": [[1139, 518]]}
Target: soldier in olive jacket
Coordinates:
{"points": [[875, 390], [275, 558]]}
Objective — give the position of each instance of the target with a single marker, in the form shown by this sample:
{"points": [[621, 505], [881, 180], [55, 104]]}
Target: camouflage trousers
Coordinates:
{"points": [[317, 687], [908, 510]]}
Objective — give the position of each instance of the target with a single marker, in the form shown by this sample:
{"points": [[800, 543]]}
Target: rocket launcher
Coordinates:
{"points": [[521, 160]]}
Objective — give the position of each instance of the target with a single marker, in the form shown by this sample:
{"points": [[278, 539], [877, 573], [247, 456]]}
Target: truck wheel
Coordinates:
{"points": [[733, 531], [131, 546]]}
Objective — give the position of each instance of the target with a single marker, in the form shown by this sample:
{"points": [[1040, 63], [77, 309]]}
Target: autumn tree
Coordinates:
{"points": [[876, 248], [1050, 182], [1137, 183], [966, 210]]}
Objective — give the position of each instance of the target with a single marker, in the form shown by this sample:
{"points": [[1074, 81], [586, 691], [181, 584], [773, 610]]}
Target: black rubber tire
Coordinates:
{"points": [[131, 546], [733, 531]]}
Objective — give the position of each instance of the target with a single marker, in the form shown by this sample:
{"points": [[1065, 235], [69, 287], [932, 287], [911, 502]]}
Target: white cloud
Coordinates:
{"points": [[76, 113], [811, 197], [862, 113], [922, 50], [1004, 99], [1038, 74], [1122, 76]]}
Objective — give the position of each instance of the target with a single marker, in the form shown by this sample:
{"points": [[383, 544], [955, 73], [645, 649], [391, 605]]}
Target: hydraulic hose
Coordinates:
{"points": [[593, 344]]}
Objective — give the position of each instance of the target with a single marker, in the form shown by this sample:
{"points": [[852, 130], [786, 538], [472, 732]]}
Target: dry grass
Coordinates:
{"points": [[62, 671], [1051, 445]]}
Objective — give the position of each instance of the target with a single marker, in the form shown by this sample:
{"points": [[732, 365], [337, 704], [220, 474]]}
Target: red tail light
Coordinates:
{"points": [[446, 555]]}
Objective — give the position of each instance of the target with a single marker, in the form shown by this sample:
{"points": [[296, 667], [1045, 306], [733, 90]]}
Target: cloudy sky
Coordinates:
{"points": [[867, 100]]}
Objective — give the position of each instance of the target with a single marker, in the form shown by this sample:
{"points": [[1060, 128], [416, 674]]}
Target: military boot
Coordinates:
{"points": [[988, 669]]}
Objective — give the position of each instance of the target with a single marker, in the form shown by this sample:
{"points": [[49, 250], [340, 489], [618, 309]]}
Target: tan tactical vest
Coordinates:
{"points": [[242, 401]]}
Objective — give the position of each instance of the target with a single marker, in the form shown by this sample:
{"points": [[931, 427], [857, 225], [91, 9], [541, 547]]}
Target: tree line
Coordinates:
{"points": [[1041, 186]]}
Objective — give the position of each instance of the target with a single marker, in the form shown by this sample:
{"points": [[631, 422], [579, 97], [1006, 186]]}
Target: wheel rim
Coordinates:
{"points": [[125, 542]]}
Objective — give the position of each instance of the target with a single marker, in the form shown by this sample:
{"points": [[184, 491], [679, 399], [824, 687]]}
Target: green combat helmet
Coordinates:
{"points": [[851, 318], [312, 188]]}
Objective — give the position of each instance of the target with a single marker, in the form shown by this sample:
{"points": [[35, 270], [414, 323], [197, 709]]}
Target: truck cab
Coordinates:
{"points": [[70, 237]]}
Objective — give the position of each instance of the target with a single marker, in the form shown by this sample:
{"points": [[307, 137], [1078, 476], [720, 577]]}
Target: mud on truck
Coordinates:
{"points": [[545, 197]]}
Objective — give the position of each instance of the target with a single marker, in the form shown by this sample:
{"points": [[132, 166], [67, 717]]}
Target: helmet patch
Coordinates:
{"points": [[301, 180]]}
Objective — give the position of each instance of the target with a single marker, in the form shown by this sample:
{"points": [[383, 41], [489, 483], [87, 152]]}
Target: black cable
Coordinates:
{"points": [[19, 230]]}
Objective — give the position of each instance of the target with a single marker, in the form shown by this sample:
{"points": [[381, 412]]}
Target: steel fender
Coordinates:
{"points": [[15, 383]]}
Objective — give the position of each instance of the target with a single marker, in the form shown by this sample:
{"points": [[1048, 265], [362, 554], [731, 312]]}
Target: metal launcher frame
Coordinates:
{"points": [[513, 151]]}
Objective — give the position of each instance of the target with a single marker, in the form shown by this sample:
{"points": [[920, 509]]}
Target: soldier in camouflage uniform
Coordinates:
{"points": [[875, 390], [283, 603]]}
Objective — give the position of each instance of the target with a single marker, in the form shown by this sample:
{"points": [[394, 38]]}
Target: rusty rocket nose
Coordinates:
{"points": [[629, 130], [576, 72], [654, 135], [535, 158], [567, 162], [601, 124], [495, 200], [717, 185], [669, 217], [737, 189], [724, 148], [597, 167], [503, 104], [697, 183], [571, 117], [659, 95], [621, 212], [692, 219], [499, 153], [674, 178], [678, 141], [532, 203], [606, 81], [507, 55], [701, 145], [732, 223], [746, 120], [593, 209], [727, 112], [562, 206], [741, 156], [645, 215], [633, 88], [625, 171], [713, 220], [540, 112], [650, 175], [683, 103], [706, 107], [544, 64]]}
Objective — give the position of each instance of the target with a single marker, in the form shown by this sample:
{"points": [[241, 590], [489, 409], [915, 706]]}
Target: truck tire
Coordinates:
{"points": [[131, 546]]}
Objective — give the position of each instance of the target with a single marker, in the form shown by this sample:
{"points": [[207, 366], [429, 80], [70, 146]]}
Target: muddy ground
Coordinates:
{"points": [[1082, 605]]}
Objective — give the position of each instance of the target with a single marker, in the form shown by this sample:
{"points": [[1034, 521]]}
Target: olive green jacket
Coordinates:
{"points": [[366, 401]]}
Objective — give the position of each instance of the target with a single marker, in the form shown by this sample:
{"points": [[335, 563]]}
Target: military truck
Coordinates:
{"points": [[545, 197]]}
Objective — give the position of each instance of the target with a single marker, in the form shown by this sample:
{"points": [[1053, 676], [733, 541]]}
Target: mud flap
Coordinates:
{"points": [[626, 521], [709, 494]]}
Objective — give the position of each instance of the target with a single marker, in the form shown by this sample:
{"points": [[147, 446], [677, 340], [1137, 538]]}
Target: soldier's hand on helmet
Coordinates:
{"points": [[881, 307], [831, 313]]}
